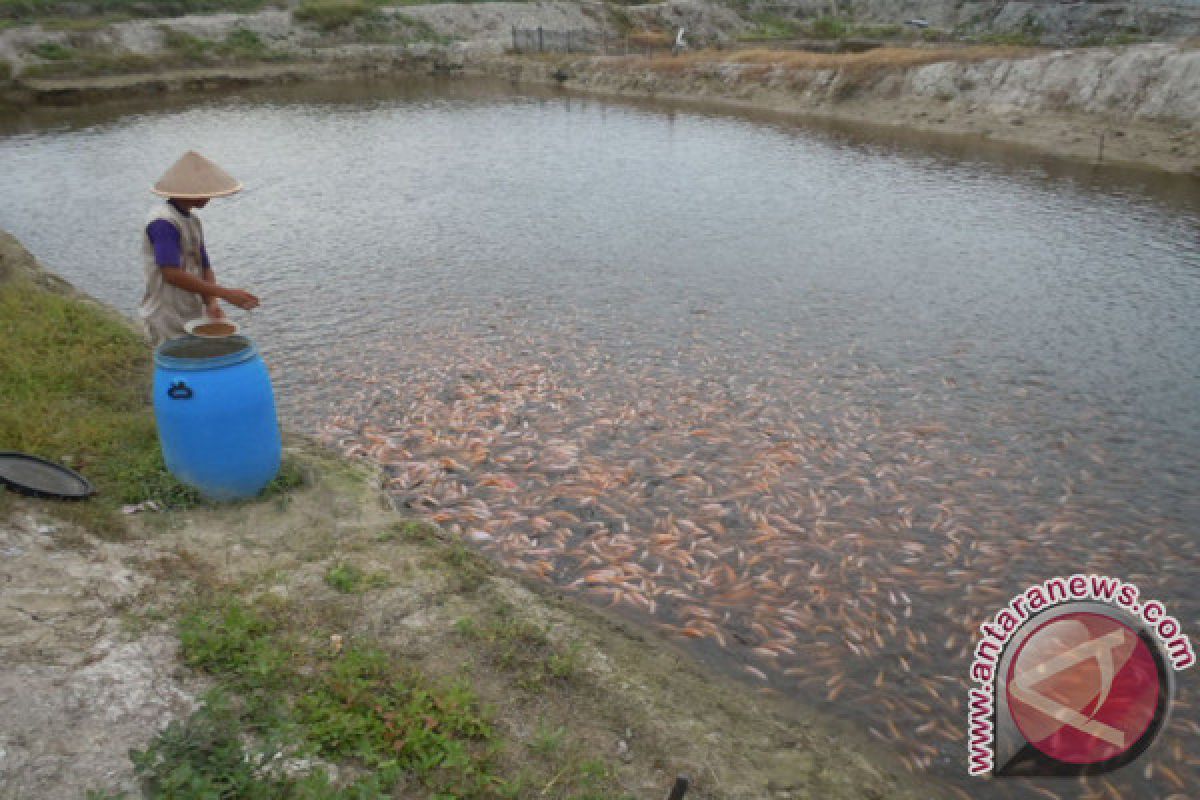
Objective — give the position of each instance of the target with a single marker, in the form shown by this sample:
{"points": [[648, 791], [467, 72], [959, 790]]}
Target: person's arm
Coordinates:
{"points": [[211, 307], [180, 279]]}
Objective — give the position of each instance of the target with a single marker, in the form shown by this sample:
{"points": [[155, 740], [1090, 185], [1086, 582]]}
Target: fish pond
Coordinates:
{"points": [[814, 401]]}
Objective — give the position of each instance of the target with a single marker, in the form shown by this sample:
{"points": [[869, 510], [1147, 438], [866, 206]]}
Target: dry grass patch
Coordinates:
{"points": [[878, 60]]}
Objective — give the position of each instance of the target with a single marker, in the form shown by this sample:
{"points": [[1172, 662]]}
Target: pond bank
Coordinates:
{"points": [[1136, 106], [1141, 113], [580, 703]]}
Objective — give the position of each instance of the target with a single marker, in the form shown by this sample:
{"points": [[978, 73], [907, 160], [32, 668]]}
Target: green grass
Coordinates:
{"points": [[280, 692], [94, 62], [238, 46], [33, 10], [877, 31], [771, 26], [421, 31], [1029, 34], [1112, 39], [367, 21], [522, 648], [349, 579], [82, 24], [329, 15], [1013, 39], [828, 28], [52, 51], [74, 378], [205, 756]]}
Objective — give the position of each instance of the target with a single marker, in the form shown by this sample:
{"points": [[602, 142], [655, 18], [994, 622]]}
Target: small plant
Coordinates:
{"points": [[828, 28], [244, 43], [547, 741], [878, 31], [53, 51], [771, 26], [203, 756], [329, 15], [234, 641], [345, 578], [467, 569], [420, 30], [79, 24], [522, 648], [565, 664], [395, 723], [621, 20], [349, 579]]}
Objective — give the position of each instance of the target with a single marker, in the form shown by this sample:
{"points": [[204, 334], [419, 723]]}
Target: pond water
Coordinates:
{"points": [[816, 401]]}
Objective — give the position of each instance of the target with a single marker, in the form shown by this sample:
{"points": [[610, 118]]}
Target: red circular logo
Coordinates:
{"points": [[1083, 688]]}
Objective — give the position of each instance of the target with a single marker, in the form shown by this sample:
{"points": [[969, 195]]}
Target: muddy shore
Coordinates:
{"points": [[92, 662]]}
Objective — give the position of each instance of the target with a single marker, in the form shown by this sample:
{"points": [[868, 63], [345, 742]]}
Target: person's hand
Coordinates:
{"points": [[241, 298]]}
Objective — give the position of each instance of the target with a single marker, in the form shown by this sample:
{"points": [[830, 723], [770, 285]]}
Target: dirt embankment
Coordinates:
{"points": [[584, 704], [1133, 104], [1137, 105]]}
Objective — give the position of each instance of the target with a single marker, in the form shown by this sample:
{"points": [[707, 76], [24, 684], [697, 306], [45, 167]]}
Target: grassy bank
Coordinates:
{"points": [[330, 648], [37, 10], [74, 376]]}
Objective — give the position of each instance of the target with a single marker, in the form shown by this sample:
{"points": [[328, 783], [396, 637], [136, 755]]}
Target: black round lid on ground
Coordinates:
{"points": [[37, 477]]}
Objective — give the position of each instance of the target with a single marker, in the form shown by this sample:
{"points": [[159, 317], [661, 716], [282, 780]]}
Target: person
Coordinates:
{"points": [[180, 282], [680, 43]]}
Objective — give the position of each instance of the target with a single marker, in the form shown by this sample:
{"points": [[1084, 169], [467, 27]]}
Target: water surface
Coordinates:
{"points": [[817, 401]]}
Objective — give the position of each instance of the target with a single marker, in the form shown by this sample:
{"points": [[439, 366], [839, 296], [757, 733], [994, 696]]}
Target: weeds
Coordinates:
{"points": [[30, 10], [82, 24], [329, 15], [349, 579], [769, 26], [280, 695], [547, 741], [205, 756], [94, 62], [238, 46], [522, 648], [52, 51], [181, 50], [828, 28], [420, 30]]}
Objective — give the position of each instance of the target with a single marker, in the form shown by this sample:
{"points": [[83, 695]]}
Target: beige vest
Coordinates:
{"points": [[165, 308]]}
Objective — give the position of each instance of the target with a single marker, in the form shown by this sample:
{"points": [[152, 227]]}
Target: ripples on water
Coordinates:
{"points": [[816, 404]]}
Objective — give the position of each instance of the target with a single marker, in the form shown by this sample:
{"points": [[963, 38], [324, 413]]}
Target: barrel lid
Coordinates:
{"points": [[192, 352], [37, 477]]}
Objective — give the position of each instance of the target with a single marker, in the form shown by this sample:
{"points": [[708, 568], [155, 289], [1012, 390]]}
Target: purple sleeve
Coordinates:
{"points": [[204, 257], [165, 238]]}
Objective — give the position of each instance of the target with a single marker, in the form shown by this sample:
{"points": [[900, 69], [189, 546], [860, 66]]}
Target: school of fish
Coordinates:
{"points": [[822, 524]]}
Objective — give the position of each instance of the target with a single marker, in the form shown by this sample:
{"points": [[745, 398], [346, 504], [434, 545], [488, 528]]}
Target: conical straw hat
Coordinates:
{"points": [[194, 177]]}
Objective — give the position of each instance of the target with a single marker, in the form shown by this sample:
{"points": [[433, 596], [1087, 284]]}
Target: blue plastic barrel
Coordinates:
{"points": [[216, 415]]}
